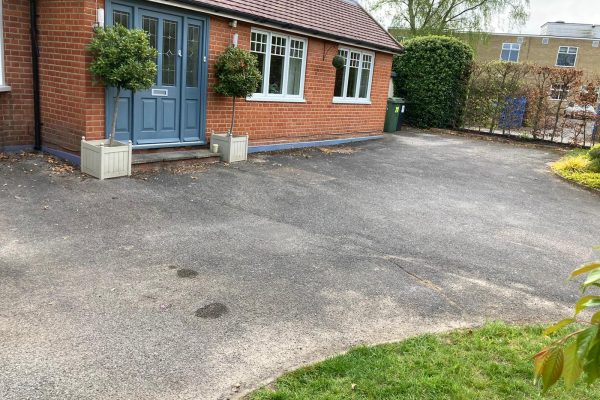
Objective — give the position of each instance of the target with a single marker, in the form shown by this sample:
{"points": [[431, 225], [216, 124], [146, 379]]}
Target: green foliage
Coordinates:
{"points": [[491, 87], [594, 153], [575, 354], [338, 61], [432, 75], [581, 167], [123, 58], [237, 73], [490, 363]]}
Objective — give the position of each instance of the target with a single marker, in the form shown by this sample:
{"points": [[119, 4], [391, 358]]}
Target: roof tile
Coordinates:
{"points": [[338, 19]]}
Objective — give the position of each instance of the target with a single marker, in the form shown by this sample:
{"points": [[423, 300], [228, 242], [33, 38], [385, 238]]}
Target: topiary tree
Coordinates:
{"points": [[432, 75], [237, 76], [124, 59]]}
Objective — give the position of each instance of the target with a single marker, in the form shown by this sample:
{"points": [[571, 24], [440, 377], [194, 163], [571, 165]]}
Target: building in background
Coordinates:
{"points": [[559, 44]]}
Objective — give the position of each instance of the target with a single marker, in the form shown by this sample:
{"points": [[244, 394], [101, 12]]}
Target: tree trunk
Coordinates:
{"points": [[113, 126], [232, 118], [556, 117]]}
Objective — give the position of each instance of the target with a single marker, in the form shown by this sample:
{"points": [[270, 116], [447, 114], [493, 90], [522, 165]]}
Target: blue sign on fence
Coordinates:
{"points": [[513, 113]]}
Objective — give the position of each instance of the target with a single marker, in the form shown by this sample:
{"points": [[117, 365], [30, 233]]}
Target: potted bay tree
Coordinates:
{"points": [[237, 76], [123, 59]]}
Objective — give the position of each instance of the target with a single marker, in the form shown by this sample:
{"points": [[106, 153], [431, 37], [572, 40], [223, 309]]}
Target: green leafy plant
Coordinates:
{"points": [[432, 75], [338, 61], [124, 59], [577, 353], [237, 75]]}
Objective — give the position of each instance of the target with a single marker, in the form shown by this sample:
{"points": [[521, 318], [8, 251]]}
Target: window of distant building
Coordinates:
{"points": [[510, 52], [566, 56]]}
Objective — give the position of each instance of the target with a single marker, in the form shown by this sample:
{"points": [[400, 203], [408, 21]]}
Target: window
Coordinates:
{"points": [[559, 92], [282, 63], [121, 18], [566, 56], [353, 81], [3, 86], [510, 52]]}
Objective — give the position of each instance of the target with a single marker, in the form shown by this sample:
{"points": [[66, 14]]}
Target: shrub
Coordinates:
{"points": [[432, 75], [237, 75], [594, 153], [577, 163], [124, 59], [493, 88]]}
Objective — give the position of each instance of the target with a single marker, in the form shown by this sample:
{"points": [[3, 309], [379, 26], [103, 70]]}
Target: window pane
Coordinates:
{"points": [[193, 56], [365, 76], [169, 53], [295, 67], [353, 74], [121, 18], [339, 76], [278, 45], [566, 60], [258, 46], [150, 25]]}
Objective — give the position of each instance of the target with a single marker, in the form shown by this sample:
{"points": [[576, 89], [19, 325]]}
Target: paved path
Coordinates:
{"points": [[305, 254]]}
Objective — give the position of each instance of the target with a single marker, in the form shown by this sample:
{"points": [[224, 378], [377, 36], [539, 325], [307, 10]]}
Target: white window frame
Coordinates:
{"points": [[568, 48], [283, 97], [355, 100], [502, 49], [560, 90], [3, 86]]}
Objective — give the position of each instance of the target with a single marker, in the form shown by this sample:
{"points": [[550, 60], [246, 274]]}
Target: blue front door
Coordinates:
{"points": [[172, 111]]}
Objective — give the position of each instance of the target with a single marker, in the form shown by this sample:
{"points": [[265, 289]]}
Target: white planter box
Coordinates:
{"points": [[231, 148], [102, 161]]}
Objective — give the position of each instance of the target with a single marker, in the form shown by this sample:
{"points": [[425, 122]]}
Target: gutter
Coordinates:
{"points": [[247, 17], [35, 66]]}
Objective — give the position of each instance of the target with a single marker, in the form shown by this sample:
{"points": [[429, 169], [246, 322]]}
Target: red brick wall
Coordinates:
{"points": [[266, 121], [16, 106], [71, 106]]}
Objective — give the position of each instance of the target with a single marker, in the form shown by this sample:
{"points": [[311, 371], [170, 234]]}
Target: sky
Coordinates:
{"points": [[541, 11]]}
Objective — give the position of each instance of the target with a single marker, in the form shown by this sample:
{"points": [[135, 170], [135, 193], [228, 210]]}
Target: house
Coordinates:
{"points": [[49, 100], [559, 44]]}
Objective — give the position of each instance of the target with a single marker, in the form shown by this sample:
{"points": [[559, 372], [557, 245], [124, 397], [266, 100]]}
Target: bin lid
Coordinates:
{"points": [[396, 100]]}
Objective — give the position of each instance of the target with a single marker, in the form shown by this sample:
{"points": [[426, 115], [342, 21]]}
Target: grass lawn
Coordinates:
{"points": [[493, 362], [578, 167]]}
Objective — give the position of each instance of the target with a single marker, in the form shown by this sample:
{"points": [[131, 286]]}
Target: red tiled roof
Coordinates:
{"points": [[342, 20]]}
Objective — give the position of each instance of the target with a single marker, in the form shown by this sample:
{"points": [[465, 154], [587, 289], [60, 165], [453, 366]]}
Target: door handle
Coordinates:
{"points": [[179, 53]]}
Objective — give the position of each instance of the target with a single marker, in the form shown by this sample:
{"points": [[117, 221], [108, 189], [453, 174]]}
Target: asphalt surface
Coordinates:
{"points": [[207, 284]]}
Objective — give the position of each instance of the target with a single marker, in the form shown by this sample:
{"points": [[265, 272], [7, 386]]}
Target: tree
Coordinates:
{"points": [[432, 75], [563, 81], [578, 352], [237, 76], [124, 59], [422, 17], [586, 99], [538, 99]]}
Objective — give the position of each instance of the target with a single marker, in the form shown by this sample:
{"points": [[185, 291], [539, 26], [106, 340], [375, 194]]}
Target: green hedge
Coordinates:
{"points": [[432, 75]]}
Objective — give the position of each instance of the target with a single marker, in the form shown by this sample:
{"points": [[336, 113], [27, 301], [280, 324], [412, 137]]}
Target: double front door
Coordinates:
{"points": [[172, 111]]}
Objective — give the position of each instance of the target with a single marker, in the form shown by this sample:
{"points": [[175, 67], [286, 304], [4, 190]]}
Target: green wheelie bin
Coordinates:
{"points": [[394, 114]]}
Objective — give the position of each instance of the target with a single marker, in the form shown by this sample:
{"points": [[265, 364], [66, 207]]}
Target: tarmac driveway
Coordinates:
{"points": [[298, 256]]}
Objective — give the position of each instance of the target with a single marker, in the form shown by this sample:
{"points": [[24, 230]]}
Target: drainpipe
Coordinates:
{"points": [[35, 65]]}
